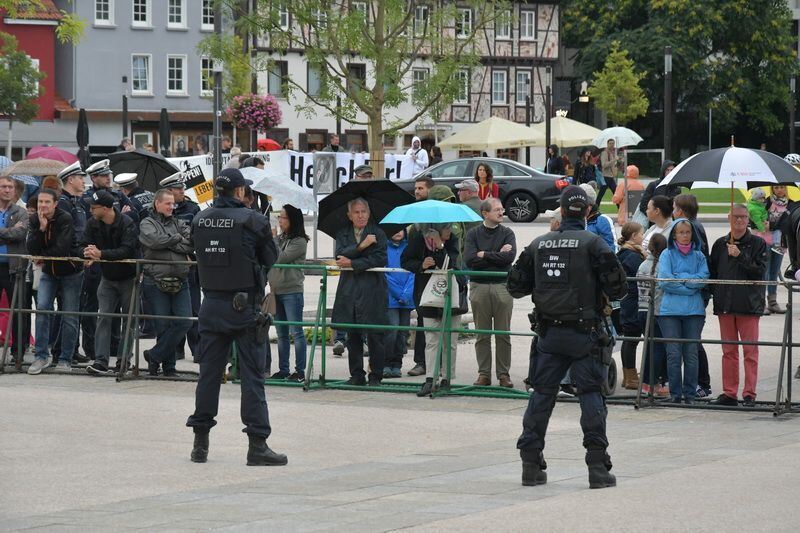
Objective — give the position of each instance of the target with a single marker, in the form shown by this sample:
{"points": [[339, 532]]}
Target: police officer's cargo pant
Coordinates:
{"points": [[559, 350], [111, 296], [433, 341], [219, 326], [491, 306], [355, 352]]}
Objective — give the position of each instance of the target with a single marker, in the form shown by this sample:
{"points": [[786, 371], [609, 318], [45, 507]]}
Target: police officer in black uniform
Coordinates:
{"points": [[235, 249], [141, 200], [568, 271]]}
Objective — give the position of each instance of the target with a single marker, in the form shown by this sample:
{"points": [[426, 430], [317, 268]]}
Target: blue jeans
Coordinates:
{"points": [[396, 342], [290, 307], [168, 332], [774, 261], [682, 327], [69, 288]]}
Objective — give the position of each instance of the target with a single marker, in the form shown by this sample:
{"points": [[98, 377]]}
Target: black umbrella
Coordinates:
{"points": [[164, 131], [82, 136], [382, 196], [150, 167]]}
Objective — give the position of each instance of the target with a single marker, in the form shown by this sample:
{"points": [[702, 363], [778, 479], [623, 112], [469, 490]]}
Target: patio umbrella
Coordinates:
{"points": [[492, 133], [164, 131], [34, 167], [382, 196], [566, 132], [149, 166], [431, 212], [82, 136], [268, 145], [51, 152], [622, 137], [281, 190]]}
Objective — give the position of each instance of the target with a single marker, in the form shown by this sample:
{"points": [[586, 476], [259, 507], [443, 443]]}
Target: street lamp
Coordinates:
{"points": [[547, 111], [125, 107], [667, 101]]}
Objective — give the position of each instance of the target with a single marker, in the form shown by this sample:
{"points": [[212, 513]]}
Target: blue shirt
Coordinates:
{"points": [[3, 247]]}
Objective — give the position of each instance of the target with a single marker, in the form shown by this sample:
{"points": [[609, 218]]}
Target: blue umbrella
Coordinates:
{"points": [[431, 212]]}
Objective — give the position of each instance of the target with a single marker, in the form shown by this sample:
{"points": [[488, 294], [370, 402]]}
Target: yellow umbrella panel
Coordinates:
{"points": [[493, 133]]}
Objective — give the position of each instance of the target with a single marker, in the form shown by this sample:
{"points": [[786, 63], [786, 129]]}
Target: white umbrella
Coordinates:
{"points": [[622, 137], [566, 132], [492, 133], [281, 190]]}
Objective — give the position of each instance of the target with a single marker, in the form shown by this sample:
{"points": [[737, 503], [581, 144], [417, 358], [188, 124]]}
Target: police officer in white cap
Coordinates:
{"points": [[235, 251], [141, 199], [101, 175], [185, 209], [72, 187]]}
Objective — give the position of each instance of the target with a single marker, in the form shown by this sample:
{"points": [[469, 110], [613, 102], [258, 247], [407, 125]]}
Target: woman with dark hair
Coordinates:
{"points": [[554, 164], [286, 285], [659, 213], [585, 169], [486, 185], [654, 188], [436, 155]]}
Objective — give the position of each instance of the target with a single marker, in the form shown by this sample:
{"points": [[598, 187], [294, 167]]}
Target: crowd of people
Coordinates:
{"points": [[664, 239]]}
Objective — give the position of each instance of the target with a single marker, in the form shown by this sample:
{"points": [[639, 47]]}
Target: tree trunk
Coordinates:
{"points": [[10, 137], [375, 141]]}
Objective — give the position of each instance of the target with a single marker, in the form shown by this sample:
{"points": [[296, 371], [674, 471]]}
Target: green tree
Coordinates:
{"points": [[19, 82], [231, 51], [733, 55], [388, 37], [69, 30], [616, 89]]}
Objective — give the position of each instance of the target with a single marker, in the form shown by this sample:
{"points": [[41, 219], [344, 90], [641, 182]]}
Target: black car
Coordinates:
{"points": [[524, 191]]}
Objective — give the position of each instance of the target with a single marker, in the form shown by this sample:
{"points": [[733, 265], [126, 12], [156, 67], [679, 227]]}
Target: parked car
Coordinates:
{"points": [[524, 191]]}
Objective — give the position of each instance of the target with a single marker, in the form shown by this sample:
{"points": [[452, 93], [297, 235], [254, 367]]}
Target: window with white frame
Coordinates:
{"points": [[527, 25], [499, 87], [176, 14], [463, 22], [277, 84], [462, 96], [141, 74], [35, 64], [141, 13], [502, 25], [207, 15], [314, 85], [523, 85], [104, 12], [420, 78], [361, 8], [420, 20], [283, 16], [176, 74], [206, 76], [320, 17]]}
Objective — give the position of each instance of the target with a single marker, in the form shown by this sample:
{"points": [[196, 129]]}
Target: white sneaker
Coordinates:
{"points": [[37, 366], [63, 367]]}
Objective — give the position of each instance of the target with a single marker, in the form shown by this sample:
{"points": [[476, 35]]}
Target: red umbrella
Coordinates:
{"points": [[268, 145], [53, 153]]}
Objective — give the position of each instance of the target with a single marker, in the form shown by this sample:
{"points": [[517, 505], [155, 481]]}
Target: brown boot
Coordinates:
{"points": [[631, 379], [625, 376], [483, 381]]}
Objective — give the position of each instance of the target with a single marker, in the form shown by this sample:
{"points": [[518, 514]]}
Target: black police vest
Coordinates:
{"points": [[565, 287], [221, 260]]}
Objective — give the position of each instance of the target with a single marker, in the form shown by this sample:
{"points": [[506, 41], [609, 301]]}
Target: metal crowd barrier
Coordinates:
{"points": [[783, 402]]}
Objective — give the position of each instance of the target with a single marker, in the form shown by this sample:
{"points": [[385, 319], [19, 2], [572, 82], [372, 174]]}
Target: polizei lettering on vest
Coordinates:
{"points": [[215, 223], [558, 243]]}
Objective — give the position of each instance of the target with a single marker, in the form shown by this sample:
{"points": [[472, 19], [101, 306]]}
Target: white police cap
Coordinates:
{"points": [[173, 181], [126, 178], [99, 168], [71, 170]]}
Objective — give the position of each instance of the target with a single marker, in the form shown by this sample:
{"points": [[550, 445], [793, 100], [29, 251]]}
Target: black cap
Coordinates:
{"points": [[103, 198], [230, 179], [574, 199]]}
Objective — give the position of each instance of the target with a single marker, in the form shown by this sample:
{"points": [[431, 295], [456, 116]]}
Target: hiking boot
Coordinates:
{"points": [[358, 381], [749, 401], [427, 388], [418, 370], [338, 348], [37, 366], [200, 447], [724, 399], [533, 471], [63, 367], [483, 381], [600, 475], [96, 369], [505, 381], [259, 454], [630, 380]]}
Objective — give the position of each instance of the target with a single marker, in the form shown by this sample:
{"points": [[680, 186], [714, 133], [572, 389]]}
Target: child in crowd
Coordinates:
{"points": [[401, 302], [647, 291], [631, 255]]}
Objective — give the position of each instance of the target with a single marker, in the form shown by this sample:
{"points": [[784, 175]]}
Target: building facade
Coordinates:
{"points": [[518, 59]]}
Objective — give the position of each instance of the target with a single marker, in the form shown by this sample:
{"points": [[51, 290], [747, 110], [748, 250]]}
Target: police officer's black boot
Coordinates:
{"points": [[599, 464], [533, 469], [200, 447], [259, 454]]}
